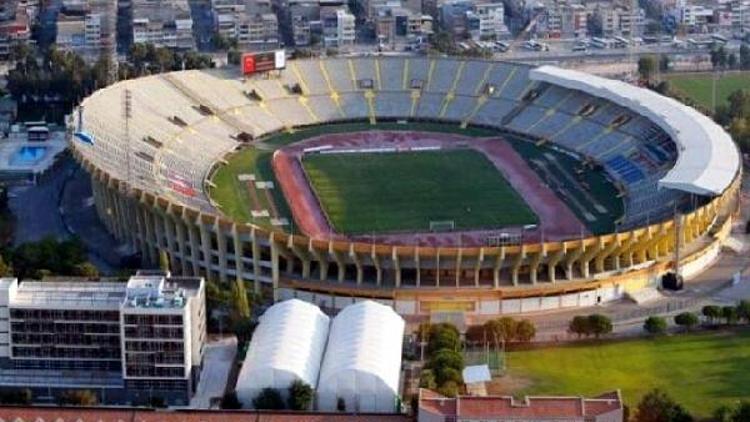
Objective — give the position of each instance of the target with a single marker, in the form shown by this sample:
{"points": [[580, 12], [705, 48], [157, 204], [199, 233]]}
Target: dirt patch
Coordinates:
{"points": [[508, 385]]}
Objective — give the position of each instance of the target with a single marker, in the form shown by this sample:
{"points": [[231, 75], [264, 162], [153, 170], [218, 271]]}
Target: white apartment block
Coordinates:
{"points": [[87, 28], [491, 21], [127, 342], [338, 27], [163, 23]]}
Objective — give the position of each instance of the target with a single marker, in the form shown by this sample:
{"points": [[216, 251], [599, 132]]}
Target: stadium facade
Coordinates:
{"points": [[151, 145]]}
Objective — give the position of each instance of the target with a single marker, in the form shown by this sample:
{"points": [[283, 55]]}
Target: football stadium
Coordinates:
{"points": [[426, 183]]}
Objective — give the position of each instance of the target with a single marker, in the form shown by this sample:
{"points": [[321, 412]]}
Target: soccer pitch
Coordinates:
{"points": [[397, 192], [699, 86], [701, 371]]}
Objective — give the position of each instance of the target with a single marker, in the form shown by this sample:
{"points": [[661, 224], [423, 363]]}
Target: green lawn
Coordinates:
{"points": [[699, 86], [234, 196], [701, 371], [364, 193]]}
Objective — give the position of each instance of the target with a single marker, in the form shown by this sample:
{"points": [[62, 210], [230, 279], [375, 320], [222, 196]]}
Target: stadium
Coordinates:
{"points": [[428, 184]]}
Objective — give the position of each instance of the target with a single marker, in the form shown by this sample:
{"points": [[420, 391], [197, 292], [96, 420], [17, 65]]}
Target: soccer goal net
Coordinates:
{"points": [[442, 225]]}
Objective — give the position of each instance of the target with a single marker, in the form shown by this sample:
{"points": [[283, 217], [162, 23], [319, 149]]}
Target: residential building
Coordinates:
{"points": [[251, 23], [491, 21], [88, 28], [398, 23], [163, 23], [126, 342], [301, 15], [434, 407], [15, 26], [337, 26], [619, 20], [480, 21]]}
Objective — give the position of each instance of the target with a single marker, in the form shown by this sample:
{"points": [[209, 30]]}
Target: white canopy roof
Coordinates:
{"points": [[288, 344], [707, 159], [362, 363]]}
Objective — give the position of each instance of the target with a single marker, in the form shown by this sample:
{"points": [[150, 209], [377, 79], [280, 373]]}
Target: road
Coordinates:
{"points": [[61, 206]]}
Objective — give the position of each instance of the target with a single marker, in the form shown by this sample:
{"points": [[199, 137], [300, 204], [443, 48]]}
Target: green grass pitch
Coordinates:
{"points": [[701, 371], [699, 86], [392, 192]]}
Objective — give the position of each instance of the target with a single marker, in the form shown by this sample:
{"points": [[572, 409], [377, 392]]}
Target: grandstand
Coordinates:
{"points": [[158, 140]]}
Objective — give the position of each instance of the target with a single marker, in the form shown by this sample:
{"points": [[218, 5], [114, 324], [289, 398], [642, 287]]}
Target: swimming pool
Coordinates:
{"points": [[28, 155]]}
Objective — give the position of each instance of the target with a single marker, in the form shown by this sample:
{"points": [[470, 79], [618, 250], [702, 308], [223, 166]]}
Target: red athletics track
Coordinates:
{"points": [[556, 220]]}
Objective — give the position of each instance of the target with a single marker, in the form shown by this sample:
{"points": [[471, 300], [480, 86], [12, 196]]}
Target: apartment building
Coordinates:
{"points": [[338, 30], [301, 15], [15, 26], [252, 23], [614, 20], [126, 342], [164, 23], [398, 23], [87, 28]]}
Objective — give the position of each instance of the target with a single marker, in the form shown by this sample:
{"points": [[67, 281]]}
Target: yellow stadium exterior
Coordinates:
{"points": [[466, 279], [415, 280]]}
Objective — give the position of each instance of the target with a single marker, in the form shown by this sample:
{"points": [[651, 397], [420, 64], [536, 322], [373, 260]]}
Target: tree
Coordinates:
{"points": [[20, 396], [449, 389], [501, 329], [711, 312], [732, 61], [744, 57], [86, 269], [687, 320], [657, 406], [655, 325], [241, 306], [300, 395], [77, 398], [268, 399], [599, 324], [742, 412], [525, 331], [579, 325], [719, 58], [743, 310], [230, 401], [729, 313], [664, 63], [5, 269], [647, 67], [427, 379], [163, 260], [443, 336]]}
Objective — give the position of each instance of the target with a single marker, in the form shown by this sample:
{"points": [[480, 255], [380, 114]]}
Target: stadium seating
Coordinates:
{"points": [[192, 118]]}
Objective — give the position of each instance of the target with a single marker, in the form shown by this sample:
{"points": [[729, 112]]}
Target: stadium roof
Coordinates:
{"points": [[707, 159], [288, 344], [362, 363]]}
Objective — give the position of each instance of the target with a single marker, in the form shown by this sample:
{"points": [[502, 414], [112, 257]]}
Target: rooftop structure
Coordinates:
{"points": [[434, 407]]}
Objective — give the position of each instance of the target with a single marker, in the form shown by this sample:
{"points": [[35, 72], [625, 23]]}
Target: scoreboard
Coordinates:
{"points": [[263, 62]]}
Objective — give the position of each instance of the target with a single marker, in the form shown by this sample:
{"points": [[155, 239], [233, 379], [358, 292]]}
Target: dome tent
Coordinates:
{"points": [[288, 344], [362, 363]]}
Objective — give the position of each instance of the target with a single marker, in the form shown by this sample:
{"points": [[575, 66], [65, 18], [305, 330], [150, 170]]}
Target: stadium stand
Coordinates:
{"points": [[662, 156]]}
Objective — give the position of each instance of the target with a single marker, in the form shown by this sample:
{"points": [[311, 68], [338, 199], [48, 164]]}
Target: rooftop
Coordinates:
{"points": [[69, 294], [528, 408]]}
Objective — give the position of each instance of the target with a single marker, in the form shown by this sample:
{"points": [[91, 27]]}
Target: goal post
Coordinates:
{"points": [[442, 225]]}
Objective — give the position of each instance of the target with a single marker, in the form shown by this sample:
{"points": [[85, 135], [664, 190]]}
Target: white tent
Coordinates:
{"points": [[707, 161], [362, 363], [288, 344]]}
